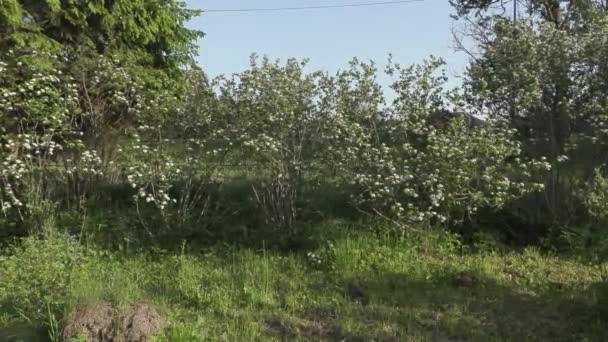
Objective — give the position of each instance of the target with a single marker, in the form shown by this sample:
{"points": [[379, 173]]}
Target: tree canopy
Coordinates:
{"points": [[151, 32]]}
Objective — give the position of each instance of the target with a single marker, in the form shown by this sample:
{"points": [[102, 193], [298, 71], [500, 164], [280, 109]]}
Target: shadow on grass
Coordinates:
{"points": [[391, 306], [401, 308], [24, 332], [113, 222]]}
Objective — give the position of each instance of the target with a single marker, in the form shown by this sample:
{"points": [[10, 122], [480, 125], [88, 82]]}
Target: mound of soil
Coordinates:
{"points": [[100, 322], [95, 322], [139, 323]]}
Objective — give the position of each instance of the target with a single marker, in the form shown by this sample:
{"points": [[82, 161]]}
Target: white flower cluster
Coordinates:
{"points": [[23, 156], [88, 164], [8, 199], [150, 172]]}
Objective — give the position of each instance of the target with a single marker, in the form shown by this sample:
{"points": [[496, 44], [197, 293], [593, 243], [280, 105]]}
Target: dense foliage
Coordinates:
{"points": [[150, 33], [90, 101], [544, 76]]}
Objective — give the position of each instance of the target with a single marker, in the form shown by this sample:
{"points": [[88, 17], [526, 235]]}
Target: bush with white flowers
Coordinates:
{"points": [[274, 109], [61, 115], [412, 171], [406, 164]]}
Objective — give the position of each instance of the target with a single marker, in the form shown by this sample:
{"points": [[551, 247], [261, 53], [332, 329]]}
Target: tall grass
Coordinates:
{"points": [[232, 293]]}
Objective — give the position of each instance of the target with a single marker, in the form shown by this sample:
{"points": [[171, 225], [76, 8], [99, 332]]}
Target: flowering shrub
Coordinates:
{"points": [[36, 104], [62, 115], [412, 171], [274, 108], [408, 164]]}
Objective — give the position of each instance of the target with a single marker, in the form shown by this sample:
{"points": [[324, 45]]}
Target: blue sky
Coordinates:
{"points": [[329, 37]]}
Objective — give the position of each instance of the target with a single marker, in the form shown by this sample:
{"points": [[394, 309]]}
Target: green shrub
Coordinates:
{"points": [[36, 273], [596, 199]]}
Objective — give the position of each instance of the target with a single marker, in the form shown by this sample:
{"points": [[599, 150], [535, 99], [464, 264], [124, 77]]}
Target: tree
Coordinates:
{"points": [[151, 32], [561, 13], [78, 78], [545, 77]]}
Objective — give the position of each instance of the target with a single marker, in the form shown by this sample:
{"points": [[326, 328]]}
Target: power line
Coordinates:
{"points": [[276, 9]]}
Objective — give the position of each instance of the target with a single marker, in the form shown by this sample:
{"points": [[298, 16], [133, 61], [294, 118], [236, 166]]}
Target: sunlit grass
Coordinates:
{"points": [[410, 289]]}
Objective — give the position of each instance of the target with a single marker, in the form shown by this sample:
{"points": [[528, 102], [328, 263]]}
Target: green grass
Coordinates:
{"points": [[226, 293]]}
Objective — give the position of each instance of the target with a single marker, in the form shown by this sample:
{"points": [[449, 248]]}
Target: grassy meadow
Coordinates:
{"points": [[355, 285]]}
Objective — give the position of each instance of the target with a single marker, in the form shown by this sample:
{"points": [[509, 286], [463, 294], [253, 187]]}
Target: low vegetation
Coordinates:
{"points": [[355, 286]]}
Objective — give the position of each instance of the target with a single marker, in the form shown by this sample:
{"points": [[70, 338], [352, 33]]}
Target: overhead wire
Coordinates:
{"points": [[301, 8]]}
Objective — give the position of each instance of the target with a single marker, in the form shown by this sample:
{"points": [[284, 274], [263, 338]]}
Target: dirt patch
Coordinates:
{"points": [[94, 322], [298, 327], [139, 323], [100, 322]]}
